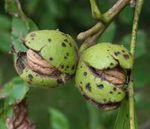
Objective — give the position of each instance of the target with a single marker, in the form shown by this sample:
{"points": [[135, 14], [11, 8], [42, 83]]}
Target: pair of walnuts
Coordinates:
{"points": [[101, 72]]}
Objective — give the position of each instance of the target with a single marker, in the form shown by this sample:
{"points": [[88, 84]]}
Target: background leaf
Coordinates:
{"points": [[4, 22], [141, 71], [140, 45], [73, 17], [109, 34], [14, 91], [126, 16], [94, 122], [21, 24], [7, 112], [122, 120], [58, 120], [4, 33]]}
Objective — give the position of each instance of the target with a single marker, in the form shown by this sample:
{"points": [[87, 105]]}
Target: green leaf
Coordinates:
{"points": [[14, 91], [4, 22], [122, 120], [46, 19], [109, 34], [19, 31], [3, 123], [5, 41], [1, 76], [58, 98], [141, 71], [21, 24], [2, 104], [54, 9], [140, 45], [94, 117], [11, 7], [58, 120], [82, 16], [31, 6], [4, 33], [104, 6], [126, 16], [7, 112]]}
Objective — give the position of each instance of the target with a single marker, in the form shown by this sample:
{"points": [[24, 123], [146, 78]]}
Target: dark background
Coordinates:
{"points": [[74, 16]]}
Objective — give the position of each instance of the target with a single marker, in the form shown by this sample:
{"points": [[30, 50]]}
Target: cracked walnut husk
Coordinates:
{"points": [[50, 60], [103, 74]]}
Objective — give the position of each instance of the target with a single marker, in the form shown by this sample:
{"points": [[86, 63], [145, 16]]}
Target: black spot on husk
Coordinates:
{"points": [[85, 73], [50, 58], [49, 40], [30, 77], [117, 53], [100, 86], [126, 56], [88, 87], [63, 44]]}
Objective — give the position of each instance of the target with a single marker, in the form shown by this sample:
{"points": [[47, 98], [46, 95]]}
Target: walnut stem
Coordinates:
{"points": [[107, 17], [115, 10], [103, 22], [137, 13], [95, 10]]}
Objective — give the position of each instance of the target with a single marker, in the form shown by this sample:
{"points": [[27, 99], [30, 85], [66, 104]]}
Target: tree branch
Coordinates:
{"points": [[84, 35], [115, 10], [104, 20], [137, 13], [95, 10]]}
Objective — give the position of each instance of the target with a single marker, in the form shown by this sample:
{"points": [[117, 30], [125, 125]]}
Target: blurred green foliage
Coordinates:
{"points": [[64, 107], [58, 120], [13, 92]]}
